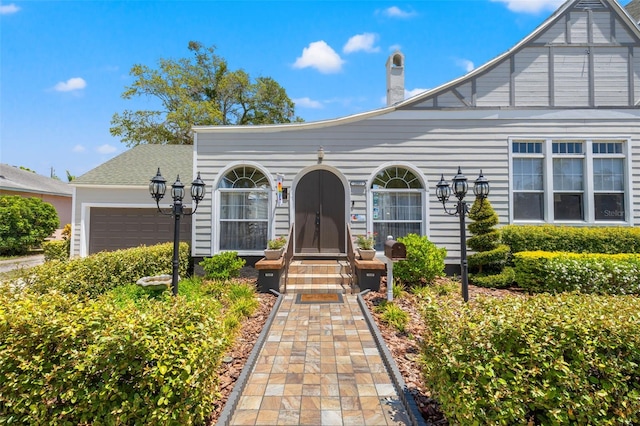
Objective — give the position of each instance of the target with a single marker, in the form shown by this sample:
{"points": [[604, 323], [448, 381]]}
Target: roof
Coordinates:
{"points": [[15, 179], [633, 9], [138, 165]]}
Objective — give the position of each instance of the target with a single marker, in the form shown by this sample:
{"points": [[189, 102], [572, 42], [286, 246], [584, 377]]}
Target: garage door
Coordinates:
{"points": [[119, 228]]}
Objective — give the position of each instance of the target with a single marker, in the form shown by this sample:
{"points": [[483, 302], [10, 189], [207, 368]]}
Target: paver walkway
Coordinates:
{"points": [[319, 366]]}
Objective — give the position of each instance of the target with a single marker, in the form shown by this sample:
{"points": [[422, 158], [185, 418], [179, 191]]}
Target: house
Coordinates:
{"points": [[15, 181], [553, 123]]}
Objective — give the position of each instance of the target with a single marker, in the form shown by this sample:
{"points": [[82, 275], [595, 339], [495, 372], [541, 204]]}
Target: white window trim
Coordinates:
{"points": [[424, 226], [215, 207], [588, 156]]}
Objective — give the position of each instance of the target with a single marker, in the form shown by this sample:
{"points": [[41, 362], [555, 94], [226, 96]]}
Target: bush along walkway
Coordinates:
{"points": [[319, 365]]}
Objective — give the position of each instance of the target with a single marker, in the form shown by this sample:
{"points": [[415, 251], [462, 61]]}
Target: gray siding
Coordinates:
{"points": [[532, 77], [430, 144]]}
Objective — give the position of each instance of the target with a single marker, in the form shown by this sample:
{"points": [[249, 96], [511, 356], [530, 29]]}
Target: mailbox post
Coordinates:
{"points": [[394, 251]]}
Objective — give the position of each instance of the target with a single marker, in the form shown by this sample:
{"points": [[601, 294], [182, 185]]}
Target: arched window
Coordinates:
{"points": [[397, 204], [244, 209]]}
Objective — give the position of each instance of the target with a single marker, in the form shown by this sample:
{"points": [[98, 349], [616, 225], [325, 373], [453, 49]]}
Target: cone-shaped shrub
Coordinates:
{"points": [[491, 255]]}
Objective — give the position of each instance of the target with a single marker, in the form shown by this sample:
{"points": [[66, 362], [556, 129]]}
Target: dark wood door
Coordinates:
{"points": [[320, 215]]}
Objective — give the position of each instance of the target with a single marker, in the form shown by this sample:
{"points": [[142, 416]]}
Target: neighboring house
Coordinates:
{"points": [[15, 181], [113, 208], [553, 123]]}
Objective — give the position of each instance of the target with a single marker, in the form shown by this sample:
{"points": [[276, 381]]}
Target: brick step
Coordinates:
{"points": [[320, 279]]}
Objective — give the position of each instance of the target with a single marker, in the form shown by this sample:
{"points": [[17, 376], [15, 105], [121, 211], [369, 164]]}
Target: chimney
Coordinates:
{"points": [[395, 78]]}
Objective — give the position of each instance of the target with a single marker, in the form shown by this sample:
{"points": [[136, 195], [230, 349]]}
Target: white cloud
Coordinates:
{"points": [[531, 6], [78, 148], [395, 47], [396, 12], [466, 64], [307, 103], [365, 42], [321, 56], [106, 149], [413, 92], [75, 83], [8, 9]]}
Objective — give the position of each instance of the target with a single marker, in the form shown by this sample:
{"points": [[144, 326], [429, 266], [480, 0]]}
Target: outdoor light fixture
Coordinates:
{"points": [[460, 187], [157, 188], [320, 154]]}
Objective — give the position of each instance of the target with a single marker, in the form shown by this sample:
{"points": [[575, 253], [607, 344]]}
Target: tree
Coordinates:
{"points": [[26, 222], [489, 260], [196, 91]]}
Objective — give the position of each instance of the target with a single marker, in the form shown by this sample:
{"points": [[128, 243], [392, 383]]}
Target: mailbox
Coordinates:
{"points": [[395, 250]]}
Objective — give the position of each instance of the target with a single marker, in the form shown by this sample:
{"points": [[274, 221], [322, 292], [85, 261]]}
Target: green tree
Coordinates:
{"points": [[196, 91], [489, 260], [25, 223]]}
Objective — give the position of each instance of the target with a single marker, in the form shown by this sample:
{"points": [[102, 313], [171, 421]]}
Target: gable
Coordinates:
{"points": [[585, 55]]}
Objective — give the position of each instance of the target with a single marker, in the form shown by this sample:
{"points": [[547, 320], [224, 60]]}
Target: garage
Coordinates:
{"points": [[118, 228]]}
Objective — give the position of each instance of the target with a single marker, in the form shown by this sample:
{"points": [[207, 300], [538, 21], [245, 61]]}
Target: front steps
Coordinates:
{"points": [[320, 276]]}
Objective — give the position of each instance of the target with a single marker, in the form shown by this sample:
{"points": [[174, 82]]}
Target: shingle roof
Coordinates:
{"points": [[139, 164], [15, 179], [633, 8]]}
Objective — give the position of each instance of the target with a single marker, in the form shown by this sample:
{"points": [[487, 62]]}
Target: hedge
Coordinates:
{"points": [[69, 360], [610, 240], [95, 274], [556, 272], [566, 359]]}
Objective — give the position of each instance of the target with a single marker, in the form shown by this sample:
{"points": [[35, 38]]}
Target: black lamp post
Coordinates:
{"points": [[443, 191], [157, 188]]}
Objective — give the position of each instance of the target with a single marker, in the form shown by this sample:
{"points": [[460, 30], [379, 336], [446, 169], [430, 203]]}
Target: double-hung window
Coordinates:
{"points": [[562, 180]]}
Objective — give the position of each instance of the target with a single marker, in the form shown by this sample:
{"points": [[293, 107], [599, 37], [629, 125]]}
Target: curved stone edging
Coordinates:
{"points": [[238, 388], [396, 377]]}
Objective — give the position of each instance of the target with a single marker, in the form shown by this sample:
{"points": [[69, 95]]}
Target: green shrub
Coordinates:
{"points": [[93, 275], [504, 279], [424, 261], [393, 315], [567, 359], [222, 266], [610, 240], [69, 360], [26, 222], [56, 250], [584, 272]]}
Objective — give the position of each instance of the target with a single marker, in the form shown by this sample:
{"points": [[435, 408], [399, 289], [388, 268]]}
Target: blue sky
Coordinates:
{"points": [[64, 64]]}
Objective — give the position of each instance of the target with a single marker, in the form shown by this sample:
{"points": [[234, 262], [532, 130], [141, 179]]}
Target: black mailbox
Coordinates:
{"points": [[395, 250]]}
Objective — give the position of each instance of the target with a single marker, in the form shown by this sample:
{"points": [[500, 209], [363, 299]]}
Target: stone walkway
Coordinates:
{"points": [[319, 366]]}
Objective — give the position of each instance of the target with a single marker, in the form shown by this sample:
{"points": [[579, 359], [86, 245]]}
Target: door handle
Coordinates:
{"points": [[317, 218]]}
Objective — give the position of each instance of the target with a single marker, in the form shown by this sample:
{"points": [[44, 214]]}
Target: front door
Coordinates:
{"points": [[320, 215]]}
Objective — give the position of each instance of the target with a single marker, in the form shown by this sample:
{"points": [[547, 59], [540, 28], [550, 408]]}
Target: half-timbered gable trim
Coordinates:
{"points": [[584, 56]]}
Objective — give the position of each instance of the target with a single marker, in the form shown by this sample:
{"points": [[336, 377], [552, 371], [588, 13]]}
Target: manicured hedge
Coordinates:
{"points": [[69, 360], [571, 239], [95, 274], [556, 272], [566, 359]]}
